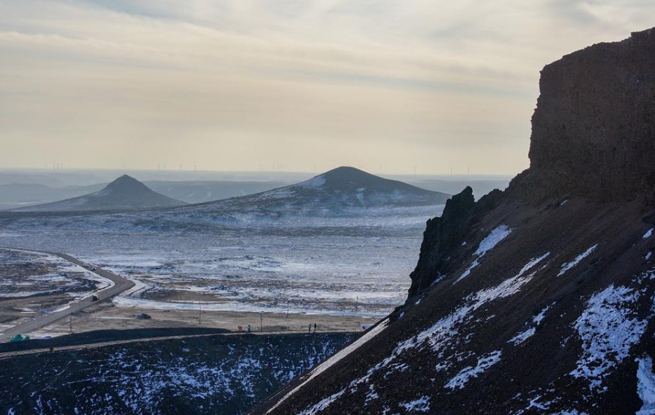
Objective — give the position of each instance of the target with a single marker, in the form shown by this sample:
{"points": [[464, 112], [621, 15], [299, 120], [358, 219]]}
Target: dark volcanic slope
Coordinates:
{"points": [[124, 193], [203, 375], [538, 299]]}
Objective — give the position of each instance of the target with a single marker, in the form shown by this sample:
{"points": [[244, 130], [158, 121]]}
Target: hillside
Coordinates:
{"points": [[209, 191], [340, 190], [538, 299], [124, 193], [220, 374]]}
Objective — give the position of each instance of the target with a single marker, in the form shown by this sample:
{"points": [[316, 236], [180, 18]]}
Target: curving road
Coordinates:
{"points": [[120, 284]]}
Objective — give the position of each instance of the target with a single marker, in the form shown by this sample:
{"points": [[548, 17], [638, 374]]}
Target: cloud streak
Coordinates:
{"points": [[232, 84]]}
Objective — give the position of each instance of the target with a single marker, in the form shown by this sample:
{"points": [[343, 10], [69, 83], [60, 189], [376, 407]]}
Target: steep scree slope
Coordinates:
{"points": [[534, 300]]}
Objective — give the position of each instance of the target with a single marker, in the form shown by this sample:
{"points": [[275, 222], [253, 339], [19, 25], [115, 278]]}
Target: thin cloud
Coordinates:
{"points": [[366, 79]]}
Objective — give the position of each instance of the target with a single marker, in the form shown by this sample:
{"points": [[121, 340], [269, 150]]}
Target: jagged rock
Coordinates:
{"points": [[445, 236]]}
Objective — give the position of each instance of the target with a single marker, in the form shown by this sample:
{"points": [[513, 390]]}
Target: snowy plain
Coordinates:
{"points": [[356, 262]]}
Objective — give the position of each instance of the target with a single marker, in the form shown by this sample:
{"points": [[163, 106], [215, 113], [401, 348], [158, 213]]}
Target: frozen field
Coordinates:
{"points": [[346, 264], [33, 283], [26, 274]]}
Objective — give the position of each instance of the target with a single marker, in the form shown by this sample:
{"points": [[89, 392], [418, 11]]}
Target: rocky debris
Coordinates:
{"points": [[538, 299]]}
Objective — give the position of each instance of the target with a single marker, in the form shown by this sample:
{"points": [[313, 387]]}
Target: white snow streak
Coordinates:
{"points": [[532, 263], [439, 334], [539, 317], [419, 405], [567, 266], [523, 336], [484, 363], [648, 234], [495, 236]]}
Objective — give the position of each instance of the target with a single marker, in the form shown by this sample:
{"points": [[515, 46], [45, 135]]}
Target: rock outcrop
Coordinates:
{"points": [[594, 127], [538, 299]]}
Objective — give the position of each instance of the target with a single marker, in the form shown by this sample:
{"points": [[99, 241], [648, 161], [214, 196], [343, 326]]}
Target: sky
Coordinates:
{"points": [[391, 86]]}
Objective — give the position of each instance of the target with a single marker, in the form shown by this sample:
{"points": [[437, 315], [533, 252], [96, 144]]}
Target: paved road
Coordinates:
{"points": [[120, 285]]}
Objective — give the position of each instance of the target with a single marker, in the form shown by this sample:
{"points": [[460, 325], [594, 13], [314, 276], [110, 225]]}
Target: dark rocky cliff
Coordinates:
{"points": [[594, 128], [593, 135], [534, 300]]}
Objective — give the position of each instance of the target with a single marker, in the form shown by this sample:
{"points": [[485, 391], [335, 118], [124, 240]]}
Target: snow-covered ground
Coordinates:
{"points": [[214, 374], [25, 274], [342, 264]]}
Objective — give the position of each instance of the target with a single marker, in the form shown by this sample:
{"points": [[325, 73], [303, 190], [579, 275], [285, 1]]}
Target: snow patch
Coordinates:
{"points": [[314, 183], [646, 386], [523, 336], [567, 266], [419, 405], [321, 406], [440, 333], [648, 234], [539, 317], [495, 236], [484, 363], [534, 261], [607, 332]]}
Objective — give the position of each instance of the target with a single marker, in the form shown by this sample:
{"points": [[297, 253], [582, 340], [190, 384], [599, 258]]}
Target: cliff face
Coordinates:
{"points": [[534, 300], [593, 136], [594, 127]]}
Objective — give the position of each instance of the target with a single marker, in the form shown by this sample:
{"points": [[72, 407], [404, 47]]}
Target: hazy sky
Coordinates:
{"points": [[247, 84]]}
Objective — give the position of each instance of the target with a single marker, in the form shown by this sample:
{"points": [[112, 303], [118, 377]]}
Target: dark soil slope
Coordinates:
{"points": [[124, 193], [538, 299], [218, 374]]}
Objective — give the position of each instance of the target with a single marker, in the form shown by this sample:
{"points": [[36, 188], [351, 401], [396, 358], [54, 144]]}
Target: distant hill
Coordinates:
{"points": [[344, 188], [202, 191], [124, 193], [16, 195]]}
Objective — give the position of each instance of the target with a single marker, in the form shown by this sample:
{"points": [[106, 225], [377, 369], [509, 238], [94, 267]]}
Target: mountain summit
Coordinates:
{"points": [[338, 190], [351, 187], [124, 193], [538, 299]]}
